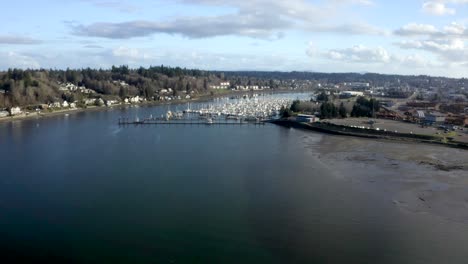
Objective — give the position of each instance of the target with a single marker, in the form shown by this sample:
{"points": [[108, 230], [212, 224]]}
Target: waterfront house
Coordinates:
{"points": [[111, 102], [135, 99], [100, 102], [15, 111], [89, 101], [4, 113], [65, 104], [55, 105]]}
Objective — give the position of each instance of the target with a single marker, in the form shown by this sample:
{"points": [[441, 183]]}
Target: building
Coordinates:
{"points": [[307, 118], [435, 117], [348, 94], [15, 111], [4, 113]]}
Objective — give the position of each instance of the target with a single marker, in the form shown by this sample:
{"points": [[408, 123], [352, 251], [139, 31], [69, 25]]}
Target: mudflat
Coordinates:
{"points": [[416, 178]]}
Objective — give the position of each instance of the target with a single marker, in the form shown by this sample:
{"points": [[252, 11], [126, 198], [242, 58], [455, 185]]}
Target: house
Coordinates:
{"points": [[4, 113], [55, 105], [65, 104], [90, 101], [73, 105], [187, 96], [111, 102], [15, 111], [135, 99]]}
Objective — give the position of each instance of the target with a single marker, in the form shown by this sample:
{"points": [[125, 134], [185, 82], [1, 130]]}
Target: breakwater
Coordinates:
{"points": [[334, 129]]}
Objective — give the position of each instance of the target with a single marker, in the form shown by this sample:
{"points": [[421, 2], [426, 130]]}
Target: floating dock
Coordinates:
{"points": [[124, 121]]}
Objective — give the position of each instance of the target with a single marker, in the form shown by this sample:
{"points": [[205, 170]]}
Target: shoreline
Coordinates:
{"points": [[419, 179], [338, 130], [201, 98]]}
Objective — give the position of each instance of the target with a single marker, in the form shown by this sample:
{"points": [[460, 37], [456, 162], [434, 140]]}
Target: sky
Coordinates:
{"points": [[391, 37]]}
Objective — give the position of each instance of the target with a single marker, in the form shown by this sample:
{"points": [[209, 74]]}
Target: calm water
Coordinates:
{"points": [[80, 189]]}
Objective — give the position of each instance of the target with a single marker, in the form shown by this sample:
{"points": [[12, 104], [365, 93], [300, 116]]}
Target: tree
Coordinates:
{"points": [[322, 97], [342, 111], [365, 107], [285, 112], [328, 110], [295, 106]]}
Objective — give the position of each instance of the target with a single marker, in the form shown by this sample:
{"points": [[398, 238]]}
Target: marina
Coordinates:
{"points": [[245, 110]]}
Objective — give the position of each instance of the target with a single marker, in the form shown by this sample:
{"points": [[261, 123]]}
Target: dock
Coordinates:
{"points": [[124, 121]]}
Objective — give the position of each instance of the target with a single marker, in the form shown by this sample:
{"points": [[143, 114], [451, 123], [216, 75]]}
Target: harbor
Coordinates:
{"points": [[245, 110]]}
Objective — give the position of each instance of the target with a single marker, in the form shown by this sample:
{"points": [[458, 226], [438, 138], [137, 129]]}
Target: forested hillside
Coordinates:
{"points": [[29, 87]]}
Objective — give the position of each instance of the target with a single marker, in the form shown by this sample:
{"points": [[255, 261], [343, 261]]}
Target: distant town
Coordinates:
{"points": [[427, 101]]}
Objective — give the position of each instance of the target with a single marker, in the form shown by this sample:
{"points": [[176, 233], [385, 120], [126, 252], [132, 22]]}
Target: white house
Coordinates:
{"points": [[135, 99], [100, 101], [111, 102], [15, 111], [4, 113], [55, 105], [90, 101], [65, 104]]}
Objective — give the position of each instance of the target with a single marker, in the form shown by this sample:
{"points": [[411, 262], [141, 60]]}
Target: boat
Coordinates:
{"points": [[209, 121]]}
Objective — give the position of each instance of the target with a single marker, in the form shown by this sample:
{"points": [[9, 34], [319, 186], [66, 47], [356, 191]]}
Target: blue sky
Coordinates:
{"points": [[403, 37]]}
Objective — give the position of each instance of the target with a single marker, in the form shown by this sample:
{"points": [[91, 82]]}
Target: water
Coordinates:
{"points": [[80, 189]]}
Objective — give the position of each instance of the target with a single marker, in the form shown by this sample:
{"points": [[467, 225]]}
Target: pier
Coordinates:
{"points": [[126, 121]]}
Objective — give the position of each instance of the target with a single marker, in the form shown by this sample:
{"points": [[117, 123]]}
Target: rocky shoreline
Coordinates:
{"points": [[334, 129]]}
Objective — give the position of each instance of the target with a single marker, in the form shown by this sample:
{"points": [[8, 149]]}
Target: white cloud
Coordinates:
{"points": [[455, 29], [414, 29], [360, 54], [453, 50], [437, 8], [254, 18]]}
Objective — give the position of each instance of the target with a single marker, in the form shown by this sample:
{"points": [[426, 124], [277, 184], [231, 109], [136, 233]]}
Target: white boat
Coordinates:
{"points": [[209, 121]]}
